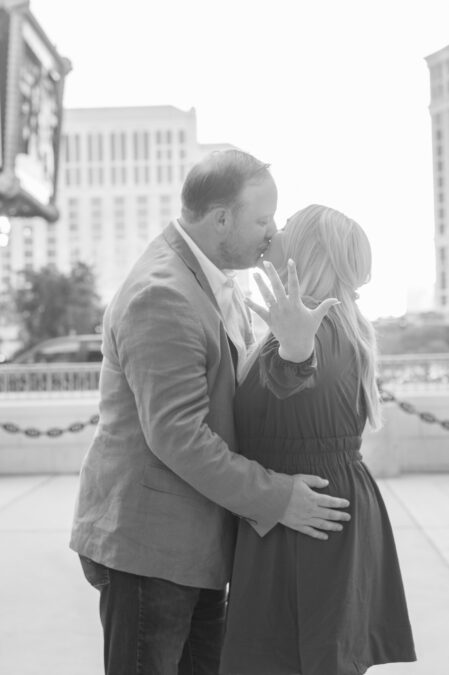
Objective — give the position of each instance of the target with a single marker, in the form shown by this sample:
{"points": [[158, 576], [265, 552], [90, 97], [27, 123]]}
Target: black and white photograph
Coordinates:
{"points": [[224, 337]]}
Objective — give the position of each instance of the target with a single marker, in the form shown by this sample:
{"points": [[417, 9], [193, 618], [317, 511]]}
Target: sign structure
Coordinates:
{"points": [[32, 77]]}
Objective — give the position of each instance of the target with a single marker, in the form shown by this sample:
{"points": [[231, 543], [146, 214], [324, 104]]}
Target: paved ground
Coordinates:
{"points": [[48, 613]]}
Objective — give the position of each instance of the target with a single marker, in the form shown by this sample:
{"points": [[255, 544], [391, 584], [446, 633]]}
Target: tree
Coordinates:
{"points": [[403, 337], [50, 303], [84, 310]]}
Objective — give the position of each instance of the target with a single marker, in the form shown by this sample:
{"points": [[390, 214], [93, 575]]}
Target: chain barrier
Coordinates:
{"points": [[75, 427], [405, 406], [53, 432]]}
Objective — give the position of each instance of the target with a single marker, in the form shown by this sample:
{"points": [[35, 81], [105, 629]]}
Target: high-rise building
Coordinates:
{"points": [[120, 178], [438, 64]]}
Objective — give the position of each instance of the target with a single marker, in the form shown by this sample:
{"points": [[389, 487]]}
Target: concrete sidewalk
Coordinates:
{"points": [[48, 616]]}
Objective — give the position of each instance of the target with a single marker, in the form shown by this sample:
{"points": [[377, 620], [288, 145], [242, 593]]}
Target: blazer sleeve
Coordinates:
{"points": [[163, 351]]}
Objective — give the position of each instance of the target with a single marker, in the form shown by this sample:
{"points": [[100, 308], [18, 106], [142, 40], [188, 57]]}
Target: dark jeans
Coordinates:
{"points": [[156, 627]]}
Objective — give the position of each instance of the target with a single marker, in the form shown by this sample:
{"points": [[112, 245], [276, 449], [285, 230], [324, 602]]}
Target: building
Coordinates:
{"points": [[438, 64], [120, 178]]}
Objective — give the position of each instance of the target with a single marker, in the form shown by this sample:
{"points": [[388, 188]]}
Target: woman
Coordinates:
{"points": [[299, 605]]}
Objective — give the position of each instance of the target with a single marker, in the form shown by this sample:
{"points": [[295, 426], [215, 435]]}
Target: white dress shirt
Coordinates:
{"points": [[229, 297]]}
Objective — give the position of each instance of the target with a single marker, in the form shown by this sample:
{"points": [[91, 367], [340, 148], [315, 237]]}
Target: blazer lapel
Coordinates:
{"points": [[178, 244]]}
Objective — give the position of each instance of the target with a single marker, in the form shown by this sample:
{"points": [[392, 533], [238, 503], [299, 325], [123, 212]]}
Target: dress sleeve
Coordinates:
{"points": [[285, 378]]}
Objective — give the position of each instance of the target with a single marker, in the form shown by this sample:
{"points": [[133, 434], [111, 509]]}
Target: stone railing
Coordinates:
{"points": [[417, 371], [54, 379]]}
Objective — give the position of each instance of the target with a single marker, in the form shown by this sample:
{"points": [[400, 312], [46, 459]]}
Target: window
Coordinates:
{"points": [[77, 148], [168, 136], [182, 136], [443, 280], [112, 146], [146, 145], [65, 147], [100, 147], [158, 137]]}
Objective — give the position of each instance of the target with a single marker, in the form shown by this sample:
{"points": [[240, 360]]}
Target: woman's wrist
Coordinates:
{"points": [[296, 354]]}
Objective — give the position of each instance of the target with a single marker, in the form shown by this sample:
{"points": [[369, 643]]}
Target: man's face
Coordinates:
{"points": [[252, 227]]}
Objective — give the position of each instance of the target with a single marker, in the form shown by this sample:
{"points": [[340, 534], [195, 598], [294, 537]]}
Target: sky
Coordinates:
{"points": [[333, 93]]}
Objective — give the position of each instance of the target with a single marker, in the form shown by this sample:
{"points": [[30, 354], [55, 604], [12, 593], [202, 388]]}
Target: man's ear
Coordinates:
{"points": [[221, 220]]}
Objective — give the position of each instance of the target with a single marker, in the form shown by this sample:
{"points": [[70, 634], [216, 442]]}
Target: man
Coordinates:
{"points": [[154, 522]]}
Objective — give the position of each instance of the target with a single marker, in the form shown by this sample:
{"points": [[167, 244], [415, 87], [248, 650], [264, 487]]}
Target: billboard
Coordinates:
{"points": [[31, 88]]}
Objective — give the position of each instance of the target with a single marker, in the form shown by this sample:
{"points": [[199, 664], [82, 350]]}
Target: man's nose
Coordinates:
{"points": [[272, 229]]}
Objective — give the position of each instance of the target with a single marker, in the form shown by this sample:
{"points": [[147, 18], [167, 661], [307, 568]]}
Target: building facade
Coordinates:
{"points": [[120, 179], [438, 64]]}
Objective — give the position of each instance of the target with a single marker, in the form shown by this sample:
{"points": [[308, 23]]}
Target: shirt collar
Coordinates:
{"points": [[217, 278]]}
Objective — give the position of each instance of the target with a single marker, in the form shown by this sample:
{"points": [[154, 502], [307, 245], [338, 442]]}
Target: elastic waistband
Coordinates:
{"points": [[301, 455]]}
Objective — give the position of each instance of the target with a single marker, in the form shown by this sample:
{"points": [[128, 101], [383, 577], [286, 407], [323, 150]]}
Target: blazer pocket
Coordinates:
{"points": [[163, 480]]}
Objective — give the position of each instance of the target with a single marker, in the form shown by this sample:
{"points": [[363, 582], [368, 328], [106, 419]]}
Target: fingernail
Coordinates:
{"points": [[291, 261]]}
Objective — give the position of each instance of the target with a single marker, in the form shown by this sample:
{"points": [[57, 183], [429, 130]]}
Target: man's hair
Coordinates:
{"points": [[218, 181]]}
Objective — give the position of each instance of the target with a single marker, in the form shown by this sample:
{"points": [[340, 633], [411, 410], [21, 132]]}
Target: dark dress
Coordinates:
{"points": [[297, 604]]}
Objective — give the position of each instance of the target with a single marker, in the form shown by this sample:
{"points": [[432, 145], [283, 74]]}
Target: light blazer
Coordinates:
{"points": [[162, 474]]}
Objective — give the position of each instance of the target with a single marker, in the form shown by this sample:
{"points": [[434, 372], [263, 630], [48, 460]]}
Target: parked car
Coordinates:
{"points": [[66, 349]]}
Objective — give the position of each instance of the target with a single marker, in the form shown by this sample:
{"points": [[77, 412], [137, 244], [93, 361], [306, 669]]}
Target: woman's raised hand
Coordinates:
{"points": [[288, 318]]}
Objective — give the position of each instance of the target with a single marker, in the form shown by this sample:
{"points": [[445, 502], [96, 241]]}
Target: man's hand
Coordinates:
{"points": [[310, 512]]}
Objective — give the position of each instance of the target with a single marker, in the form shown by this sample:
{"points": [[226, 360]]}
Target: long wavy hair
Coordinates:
{"points": [[333, 258]]}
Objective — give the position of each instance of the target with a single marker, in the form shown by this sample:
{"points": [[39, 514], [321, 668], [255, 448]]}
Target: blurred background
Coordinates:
{"points": [[104, 107]]}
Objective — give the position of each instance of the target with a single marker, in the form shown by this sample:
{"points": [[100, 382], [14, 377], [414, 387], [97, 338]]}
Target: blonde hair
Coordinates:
{"points": [[333, 258]]}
